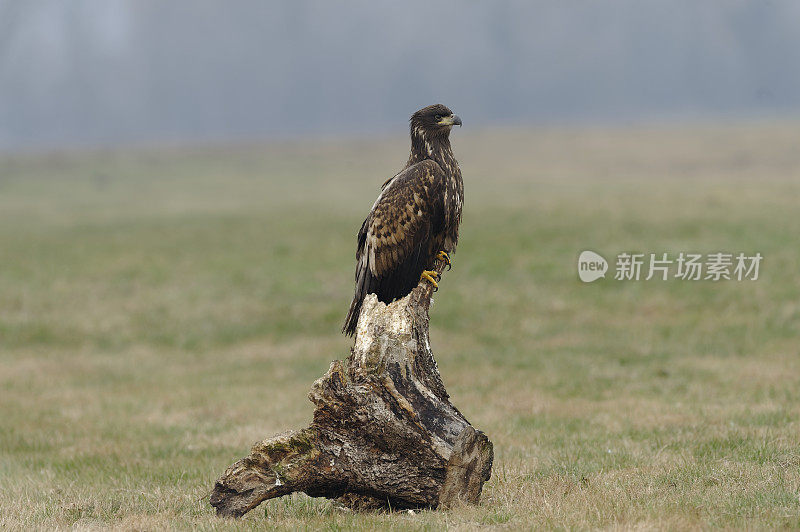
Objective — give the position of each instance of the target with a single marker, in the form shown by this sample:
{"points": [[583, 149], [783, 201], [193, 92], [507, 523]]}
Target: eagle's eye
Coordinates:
{"points": [[437, 117]]}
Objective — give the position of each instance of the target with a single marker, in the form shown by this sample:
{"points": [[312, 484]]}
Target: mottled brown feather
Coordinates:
{"points": [[402, 216]]}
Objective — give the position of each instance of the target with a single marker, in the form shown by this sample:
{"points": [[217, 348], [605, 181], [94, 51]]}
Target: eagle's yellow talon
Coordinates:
{"points": [[429, 276], [444, 257]]}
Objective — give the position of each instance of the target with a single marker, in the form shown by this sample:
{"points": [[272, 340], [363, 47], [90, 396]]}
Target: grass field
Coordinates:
{"points": [[149, 299]]}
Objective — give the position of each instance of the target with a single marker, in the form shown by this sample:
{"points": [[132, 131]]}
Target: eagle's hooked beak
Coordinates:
{"points": [[452, 120]]}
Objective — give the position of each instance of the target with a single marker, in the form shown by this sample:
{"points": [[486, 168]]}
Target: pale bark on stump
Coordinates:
{"points": [[384, 434]]}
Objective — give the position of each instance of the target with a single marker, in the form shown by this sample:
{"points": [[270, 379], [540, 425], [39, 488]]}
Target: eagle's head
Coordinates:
{"points": [[433, 121]]}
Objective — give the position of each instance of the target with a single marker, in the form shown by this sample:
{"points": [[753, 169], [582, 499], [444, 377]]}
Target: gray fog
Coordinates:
{"points": [[107, 72]]}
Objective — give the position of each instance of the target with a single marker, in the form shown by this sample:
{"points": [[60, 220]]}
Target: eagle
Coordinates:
{"points": [[415, 219]]}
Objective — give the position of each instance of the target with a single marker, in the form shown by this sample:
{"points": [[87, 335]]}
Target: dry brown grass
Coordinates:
{"points": [[163, 310]]}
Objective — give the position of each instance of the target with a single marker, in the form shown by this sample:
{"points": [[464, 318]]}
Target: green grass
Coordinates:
{"points": [[161, 310]]}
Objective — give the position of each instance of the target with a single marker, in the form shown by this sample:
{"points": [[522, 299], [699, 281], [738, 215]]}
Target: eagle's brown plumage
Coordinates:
{"points": [[415, 216]]}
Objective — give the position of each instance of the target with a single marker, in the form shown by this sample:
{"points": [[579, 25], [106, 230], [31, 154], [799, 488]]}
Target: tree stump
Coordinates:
{"points": [[384, 434]]}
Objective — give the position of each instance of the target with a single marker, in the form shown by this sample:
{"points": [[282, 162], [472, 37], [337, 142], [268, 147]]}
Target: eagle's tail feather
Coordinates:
{"points": [[350, 323], [387, 288], [394, 285], [364, 284]]}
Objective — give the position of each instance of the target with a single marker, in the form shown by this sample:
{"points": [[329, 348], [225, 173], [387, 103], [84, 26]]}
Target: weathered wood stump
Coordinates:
{"points": [[384, 434]]}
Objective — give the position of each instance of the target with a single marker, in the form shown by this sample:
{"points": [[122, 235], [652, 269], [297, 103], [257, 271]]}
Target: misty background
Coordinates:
{"points": [[106, 72]]}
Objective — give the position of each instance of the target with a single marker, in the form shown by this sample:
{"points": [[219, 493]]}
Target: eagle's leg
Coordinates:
{"points": [[444, 257], [431, 276]]}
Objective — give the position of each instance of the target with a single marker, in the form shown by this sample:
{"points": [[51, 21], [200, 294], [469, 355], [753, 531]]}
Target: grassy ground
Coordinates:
{"points": [[162, 310]]}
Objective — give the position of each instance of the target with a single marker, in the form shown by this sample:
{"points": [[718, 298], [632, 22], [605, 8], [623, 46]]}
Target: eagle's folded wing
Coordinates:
{"points": [[401, 219]]}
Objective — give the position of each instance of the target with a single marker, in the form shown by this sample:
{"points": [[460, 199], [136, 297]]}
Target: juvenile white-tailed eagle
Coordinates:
{"points": [[415, 219]]}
